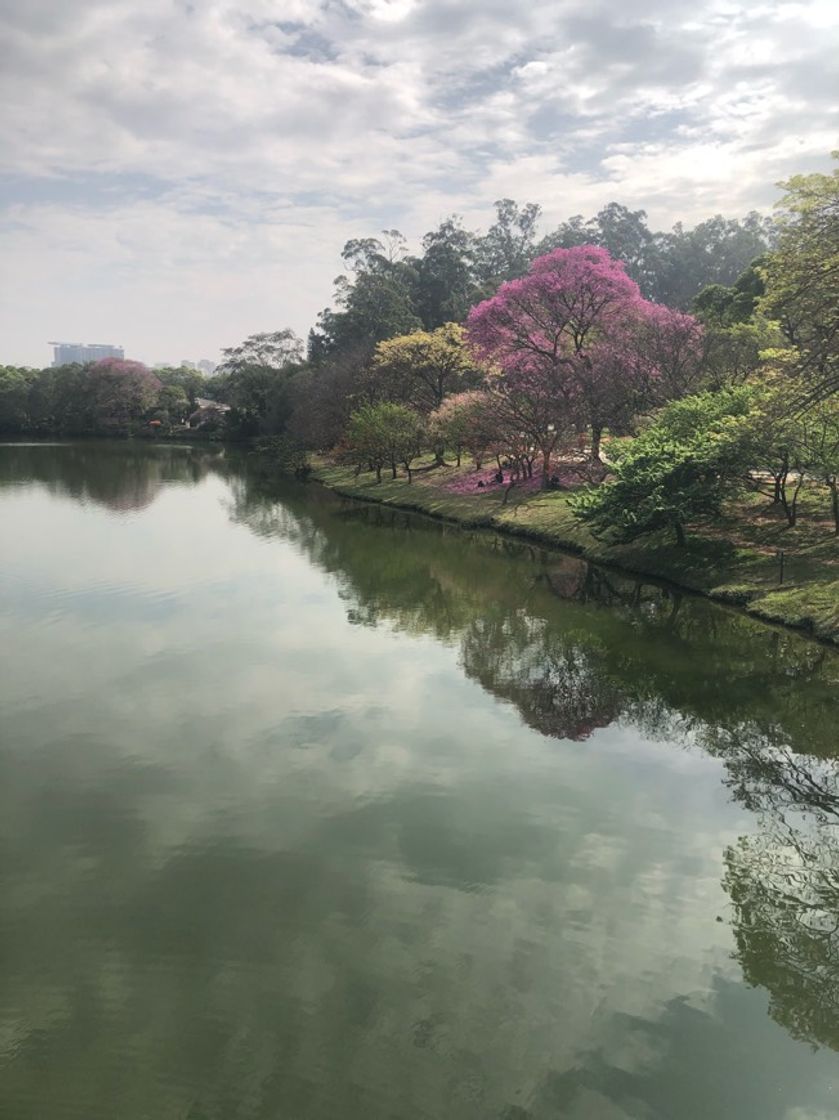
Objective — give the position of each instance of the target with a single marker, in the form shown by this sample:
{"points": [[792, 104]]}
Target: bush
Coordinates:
{"points": [[383, 435], [681, 467]]}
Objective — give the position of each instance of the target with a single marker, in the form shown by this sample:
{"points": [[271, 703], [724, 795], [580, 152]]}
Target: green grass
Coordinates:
{"points": [[814, 607], [426, 493], [734, 559]]}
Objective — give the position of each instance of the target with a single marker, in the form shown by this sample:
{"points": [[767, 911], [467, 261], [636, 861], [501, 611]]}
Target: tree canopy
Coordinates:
{"points": [[565, 340], [802, 279], [679, 468]]}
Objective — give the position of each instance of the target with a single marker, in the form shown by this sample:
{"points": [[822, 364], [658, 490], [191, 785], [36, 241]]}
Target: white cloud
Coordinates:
{"points": [[183, 171]]}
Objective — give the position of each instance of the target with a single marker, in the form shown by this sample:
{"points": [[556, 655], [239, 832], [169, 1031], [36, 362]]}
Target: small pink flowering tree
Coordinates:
{"points": [[571, 346], [483, 423], [466, 422]]}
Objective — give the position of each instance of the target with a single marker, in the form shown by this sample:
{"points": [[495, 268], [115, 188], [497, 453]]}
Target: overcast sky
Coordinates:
{"points": [[177, 174]]}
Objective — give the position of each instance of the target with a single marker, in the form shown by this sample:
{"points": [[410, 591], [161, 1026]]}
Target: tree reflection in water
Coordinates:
{"points": [[556, 685], [119, 475], [783, 881], [575, 648]]}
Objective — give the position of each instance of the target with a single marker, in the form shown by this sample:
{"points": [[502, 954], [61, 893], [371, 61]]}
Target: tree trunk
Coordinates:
{"points": [[596, 435], [393, 468], [378, 472], [780, 497], [410, 475], [834, 500], [458, 456], [680, 533], [546, 469], [791, 507]]}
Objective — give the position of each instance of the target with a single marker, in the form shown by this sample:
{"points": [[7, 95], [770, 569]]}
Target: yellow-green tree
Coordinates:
{"points": [[423, 368]]}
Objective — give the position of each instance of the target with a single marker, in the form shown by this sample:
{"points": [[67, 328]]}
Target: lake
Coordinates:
{"points": [[311, 809]]}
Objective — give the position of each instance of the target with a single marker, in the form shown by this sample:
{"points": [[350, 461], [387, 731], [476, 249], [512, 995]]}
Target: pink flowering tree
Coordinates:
{"points": [[667, 350], [653, 356], [571, 344]]}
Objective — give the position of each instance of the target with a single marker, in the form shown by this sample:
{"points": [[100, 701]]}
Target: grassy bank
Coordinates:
{"points": [[734, 560]]}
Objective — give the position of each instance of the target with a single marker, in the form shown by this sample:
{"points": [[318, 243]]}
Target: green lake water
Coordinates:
{"points": [[311, 810]]}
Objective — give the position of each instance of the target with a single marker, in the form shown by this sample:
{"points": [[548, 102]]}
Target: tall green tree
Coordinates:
{"points": [[802, 279], [15, 385], [505, 251], [716, 251], [669, 267], [255, 380], [445, 275], [720, 306], [59, 402], [374, 302], [324, 394], [191, 381]]}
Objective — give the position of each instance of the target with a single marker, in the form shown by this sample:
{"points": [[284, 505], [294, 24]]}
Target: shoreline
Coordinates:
{"points": [[809, 608]]}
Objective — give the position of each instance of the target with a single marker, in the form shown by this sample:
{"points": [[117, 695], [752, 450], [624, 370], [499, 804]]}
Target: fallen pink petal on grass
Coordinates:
{"points": [[566, 476]]}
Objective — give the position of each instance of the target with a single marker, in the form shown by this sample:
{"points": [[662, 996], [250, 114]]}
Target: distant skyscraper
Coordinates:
{"points": [[64, 353]]}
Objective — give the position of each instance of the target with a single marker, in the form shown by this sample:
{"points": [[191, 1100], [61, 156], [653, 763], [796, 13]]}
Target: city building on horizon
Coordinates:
{"points": [[65, 353], [205, 365]]}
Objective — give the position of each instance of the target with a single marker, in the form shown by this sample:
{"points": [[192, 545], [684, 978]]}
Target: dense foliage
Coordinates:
{"points": [[385, 434], [682, 367], [681, 467], [109, 397], [802, 279]]}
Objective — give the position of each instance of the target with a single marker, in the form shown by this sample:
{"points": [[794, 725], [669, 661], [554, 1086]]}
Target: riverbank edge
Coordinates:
{"points": [[811, 609]]}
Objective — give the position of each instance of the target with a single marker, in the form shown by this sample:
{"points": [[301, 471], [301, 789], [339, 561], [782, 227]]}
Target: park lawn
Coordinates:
{"points": [[734, 559], [426, 494]]}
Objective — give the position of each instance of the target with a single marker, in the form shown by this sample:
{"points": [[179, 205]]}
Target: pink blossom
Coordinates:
{"points": [[575, 345]]}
